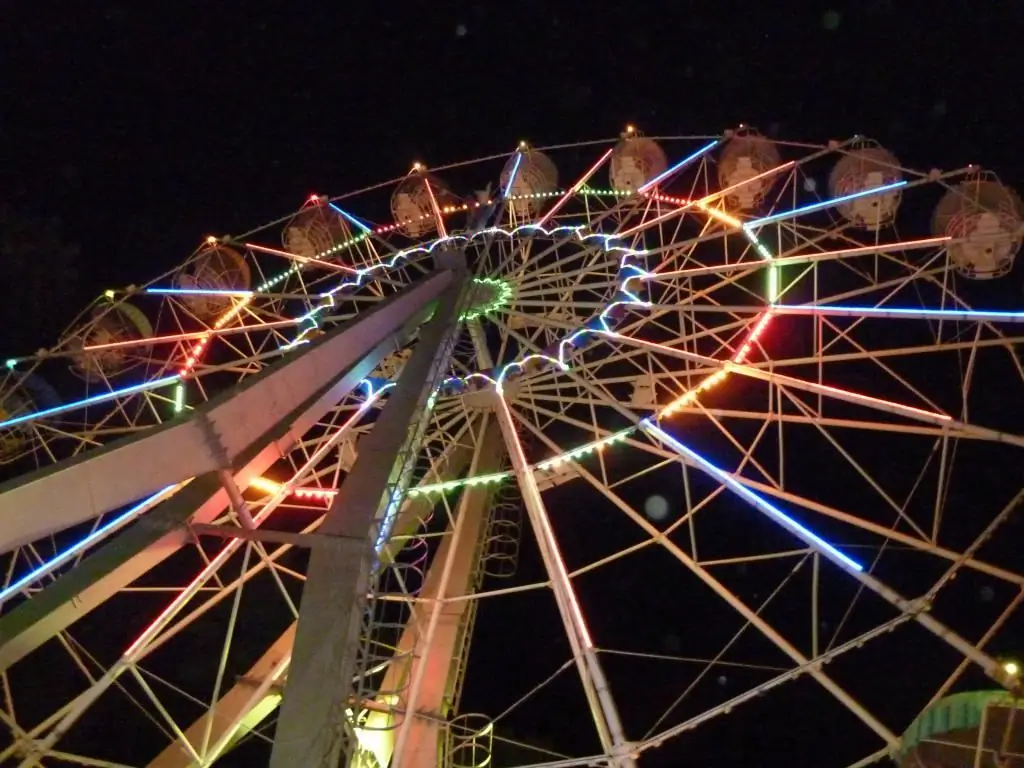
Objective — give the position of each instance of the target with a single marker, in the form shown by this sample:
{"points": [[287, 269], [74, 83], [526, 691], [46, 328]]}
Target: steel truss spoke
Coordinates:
{"points": [[748, 614], [990, 666], [872, 336], [602, 706]]}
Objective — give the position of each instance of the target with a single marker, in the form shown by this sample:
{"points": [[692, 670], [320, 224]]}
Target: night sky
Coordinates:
{"points": [[139, 132]]}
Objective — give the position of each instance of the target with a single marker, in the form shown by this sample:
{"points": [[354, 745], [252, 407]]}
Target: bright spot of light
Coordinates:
{"points": [[1012, 668], [656, 507]]}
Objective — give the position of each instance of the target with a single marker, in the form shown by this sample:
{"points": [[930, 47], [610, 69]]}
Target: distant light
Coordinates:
{"points": [[656, 507], [1011, 668]]}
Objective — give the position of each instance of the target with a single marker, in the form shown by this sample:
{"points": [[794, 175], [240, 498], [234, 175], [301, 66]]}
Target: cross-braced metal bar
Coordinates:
{"points": [[252, 425], [316, 723]]}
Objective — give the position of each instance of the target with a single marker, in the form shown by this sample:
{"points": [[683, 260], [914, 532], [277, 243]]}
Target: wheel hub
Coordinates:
{"points": [[487, 294]]}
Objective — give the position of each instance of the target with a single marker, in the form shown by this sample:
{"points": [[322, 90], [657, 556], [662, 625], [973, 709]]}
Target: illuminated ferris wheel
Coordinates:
{"points": [[257, 505]]}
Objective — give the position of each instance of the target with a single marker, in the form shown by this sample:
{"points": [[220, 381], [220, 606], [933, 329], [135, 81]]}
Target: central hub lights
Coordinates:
{"points": [[487, 294]]}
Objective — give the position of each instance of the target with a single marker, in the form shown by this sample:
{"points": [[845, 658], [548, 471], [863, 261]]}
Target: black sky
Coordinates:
{"points": [[144, 127]]}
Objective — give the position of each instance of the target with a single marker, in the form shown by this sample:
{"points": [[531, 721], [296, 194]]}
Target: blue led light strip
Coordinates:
{"points": [[812, 207], [801, 532], [144, 506], [512, 176], [968, 315], [348, 216], [677, 167], [71, 552], [101, 398]]}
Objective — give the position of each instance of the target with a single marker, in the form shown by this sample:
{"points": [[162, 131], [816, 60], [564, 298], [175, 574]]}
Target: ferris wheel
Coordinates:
{"points": [[388, 493]]}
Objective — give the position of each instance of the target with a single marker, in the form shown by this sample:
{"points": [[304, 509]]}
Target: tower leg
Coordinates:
{"points": [[595, 685], [312, 729], [440, 621], [287, 392], [328, 370], [256, 695]]}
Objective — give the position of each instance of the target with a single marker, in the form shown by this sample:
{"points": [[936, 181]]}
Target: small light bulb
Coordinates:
{"points": [[1011, 668]]}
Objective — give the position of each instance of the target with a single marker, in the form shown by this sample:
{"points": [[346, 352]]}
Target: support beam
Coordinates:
{"points": [[749, 615], [251, 696], [435, 633], [995, 670], [211, 438], [313, 728], [305, 540], [241, 708], [595, 685], [64, 719], [153, 538], [162, 532]]}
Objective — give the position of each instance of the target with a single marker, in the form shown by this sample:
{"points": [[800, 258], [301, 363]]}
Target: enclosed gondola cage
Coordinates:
{"points": [[966, 730], [528, 180], [215, 268], [317, 231], [417, 202], [111, 343], [635, 161], [984, 220], [21, 395], [863, 168], [745, 159]]}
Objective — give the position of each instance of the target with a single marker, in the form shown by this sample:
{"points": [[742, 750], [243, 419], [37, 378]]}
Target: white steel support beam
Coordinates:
{"points": [[313, 727], [65, 719], [916, 608], [253, 696], [161, 532], [211, 438], [595, 685], [256, 696], [728, 706], [948, 424], [748, 613], [434, 631], [742, 608]]}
